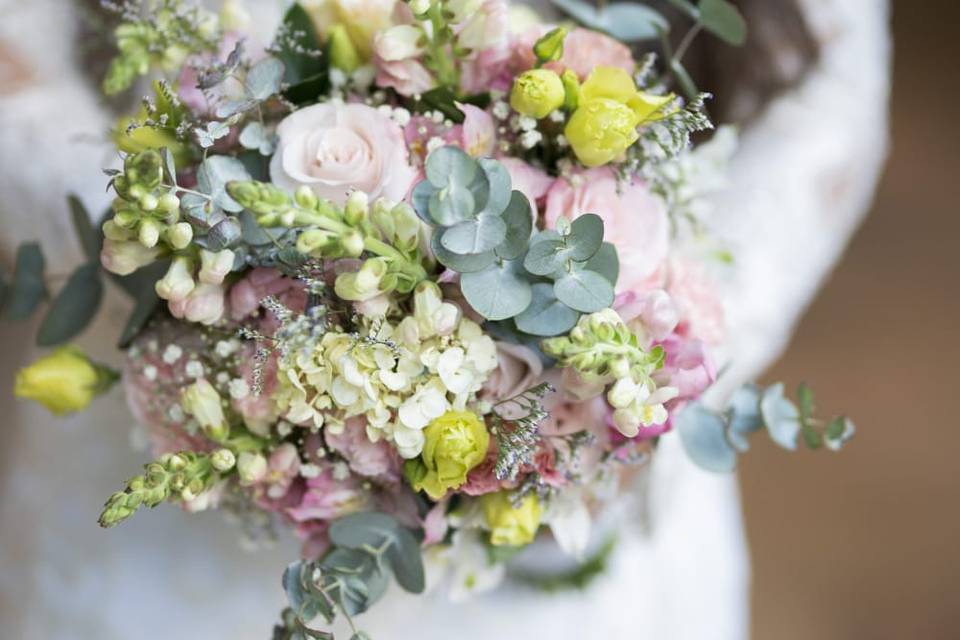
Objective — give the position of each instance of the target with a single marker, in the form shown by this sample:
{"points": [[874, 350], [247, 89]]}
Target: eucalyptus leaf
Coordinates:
{"points": [[297, 596], [805, 400], [420, 198], [146, 303], [450, 164], [211, 133], [838, 432], [498, 292], [263, 79], [229, 108], [780, 416], [499, 184], [214, 174], [459, 262], [197, 208], [28, 288], [451, 205], [584, 290], [254, 136], [169, 166], [251, 231], [371, 530], [91, 239], [586, 236], [353, 578], [224, 234], [724, 20], [73, 308], [484, 233], [702, 434], [627, 21], [606, 262], [743, 416], [519, 220], [546, 316], [545, 257]]}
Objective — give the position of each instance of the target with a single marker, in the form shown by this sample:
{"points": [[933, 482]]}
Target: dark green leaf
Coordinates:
{"points": [[586, 236], [28, 288], [140, 285], [458, 262], [298, 49], [838, 433], [722, 19], [73, 308], [811, 437], [519, 222], [498, 292], [584, 290], [441, 99], [546, 316], [143, 279], [169, 167], [91, 239], [702, 434], [606, 262], [805, 401]]}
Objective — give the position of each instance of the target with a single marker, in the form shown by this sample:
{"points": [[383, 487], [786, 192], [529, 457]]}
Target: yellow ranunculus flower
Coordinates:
{"points": [[509, 525], [610, 108], [537, 92], [63, 381], [456, 442]]}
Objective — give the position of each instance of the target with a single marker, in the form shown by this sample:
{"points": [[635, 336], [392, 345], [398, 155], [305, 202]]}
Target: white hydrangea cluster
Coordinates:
{"points": [[399, 376]]}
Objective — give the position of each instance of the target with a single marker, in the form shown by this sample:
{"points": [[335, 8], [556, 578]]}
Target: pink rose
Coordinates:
{"points": [[519, 368], [337, 148], [634, 221], [370, 459], [407, 77], [701, 311]]}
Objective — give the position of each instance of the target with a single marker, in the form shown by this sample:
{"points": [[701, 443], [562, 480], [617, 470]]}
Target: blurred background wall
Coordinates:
{"points": [[866, 543]]}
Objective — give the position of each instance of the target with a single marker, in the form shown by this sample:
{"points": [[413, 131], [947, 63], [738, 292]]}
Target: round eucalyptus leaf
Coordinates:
{"points": [[459, 262], [498, 292], [73, 308], [743, 416], [781, 417], [586, 236], [421, 201], [224, 234], [545, 257], [450, 164], [374, 530], [475, 236], [584, 290], [519, 221], [212, 178], [606, 262], [499, 184], [451, 205], [546, 316], [264, 78], [702, 434]]}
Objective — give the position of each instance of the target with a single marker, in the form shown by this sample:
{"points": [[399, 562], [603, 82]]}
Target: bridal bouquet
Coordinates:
{"points": [[418, 280]]}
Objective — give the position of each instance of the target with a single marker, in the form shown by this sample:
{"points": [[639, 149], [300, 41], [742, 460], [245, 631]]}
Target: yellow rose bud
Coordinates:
{"points": [[64, 381], [537, 92], [455, 443], [600, 130], [509, 525], [343, 55]]}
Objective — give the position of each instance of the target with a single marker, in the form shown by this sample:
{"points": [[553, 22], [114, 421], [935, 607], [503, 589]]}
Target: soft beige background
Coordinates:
{"points": [[866, 544]]}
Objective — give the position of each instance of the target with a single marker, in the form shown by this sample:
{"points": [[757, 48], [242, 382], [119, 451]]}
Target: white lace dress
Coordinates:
{"points": [[800, 182]]}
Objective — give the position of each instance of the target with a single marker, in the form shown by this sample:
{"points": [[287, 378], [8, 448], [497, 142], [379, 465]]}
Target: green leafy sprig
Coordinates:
{"points": [[714, 438]]}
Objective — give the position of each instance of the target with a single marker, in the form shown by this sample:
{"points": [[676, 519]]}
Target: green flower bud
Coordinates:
{"points": [[549, 48], [316, 242], [536, 93], [571, 90], [223, 460], [169, 202], [149, 233], [365, 283], [259, 197], [305, 197], [113, 231], [343, 55], [420, 7], [356, 208], [144, 169], [352, 243], [148, 202], [179, 235]]}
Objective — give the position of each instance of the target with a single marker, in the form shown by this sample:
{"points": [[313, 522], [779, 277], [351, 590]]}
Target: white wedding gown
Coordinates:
{"points": [[801, 180]]}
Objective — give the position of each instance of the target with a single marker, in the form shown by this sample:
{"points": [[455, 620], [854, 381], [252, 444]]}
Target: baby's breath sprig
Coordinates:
{"points": [[518, 437]]}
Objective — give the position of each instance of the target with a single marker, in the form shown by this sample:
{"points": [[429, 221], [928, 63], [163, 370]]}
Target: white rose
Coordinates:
{"points": [[336, 148]]}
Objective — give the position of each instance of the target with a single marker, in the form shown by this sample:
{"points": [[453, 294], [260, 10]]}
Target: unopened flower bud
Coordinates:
{"points": [[223, 460], [343, 54], [571, 90], [251, 467], [176, 462], [356, 208], [123, 257], [113, 231], [149, 232], [148, 202], [549, 48], [178, 281], [420, 7], [180, 235], [203, 402], [305, 197], [352, 243], [314, 242], [169, 202]]}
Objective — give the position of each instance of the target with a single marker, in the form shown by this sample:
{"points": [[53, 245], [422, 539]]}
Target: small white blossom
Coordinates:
{"points": [[150, 372], [529, 139], [239, 389], [501, 110], [309, 470], [194, 369], [526, 123], [172, 353], [401, 116], [434, 143]]}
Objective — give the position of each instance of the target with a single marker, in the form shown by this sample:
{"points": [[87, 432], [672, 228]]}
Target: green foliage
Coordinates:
{"points": [[713, 439], [482, 229], [723, 19], [578, 578], [305, 66], [366, 549], [73, 308], [28, 289], [627, 21]]}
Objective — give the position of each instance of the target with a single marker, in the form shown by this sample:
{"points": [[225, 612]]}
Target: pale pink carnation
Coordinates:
{"points": [[326, 498], [635, 221], [371, 459]]}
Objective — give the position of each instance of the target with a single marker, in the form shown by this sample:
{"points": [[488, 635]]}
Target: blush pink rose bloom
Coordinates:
{"points": [[371, 459], [695, 293], [583, 51], [519, 368], [337, 148], [635, 221]]}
